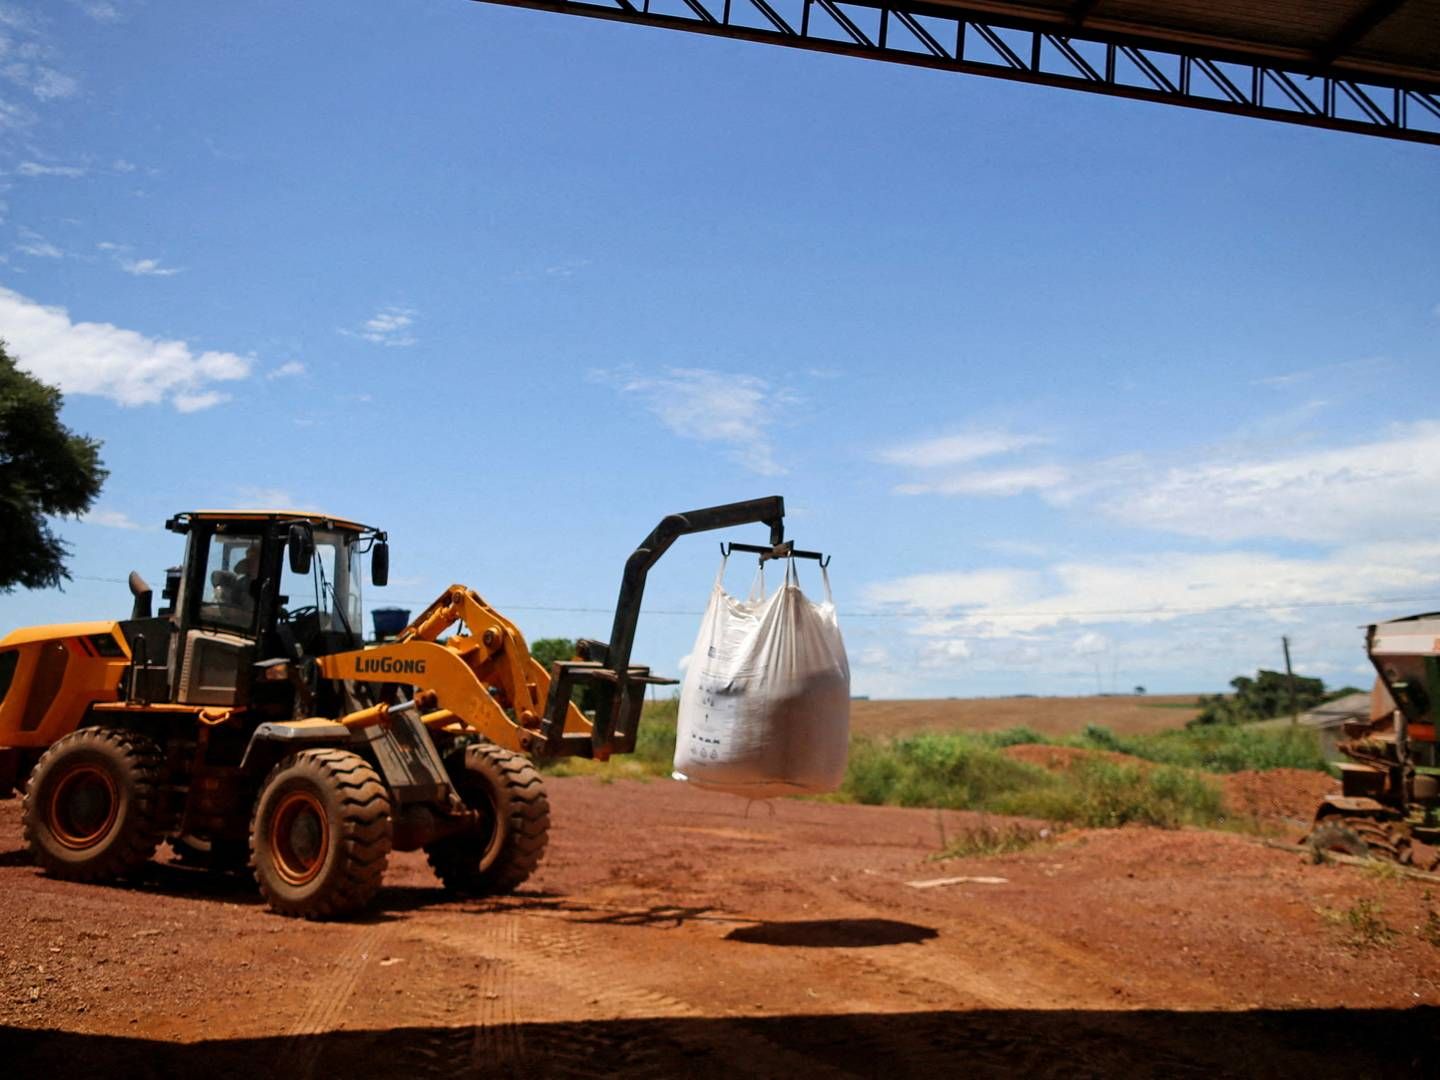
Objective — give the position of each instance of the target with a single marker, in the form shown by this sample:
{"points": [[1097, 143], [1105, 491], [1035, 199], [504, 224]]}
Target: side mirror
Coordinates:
{"points": [[380, 564], [301, 546]]}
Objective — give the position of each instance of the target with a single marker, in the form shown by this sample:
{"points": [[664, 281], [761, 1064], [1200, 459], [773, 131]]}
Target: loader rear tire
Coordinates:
{"points": [[94, 805], [507, 845], [320, 836]]}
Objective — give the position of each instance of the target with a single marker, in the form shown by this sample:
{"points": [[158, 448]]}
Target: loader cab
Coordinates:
{"points": [[259, 586]]}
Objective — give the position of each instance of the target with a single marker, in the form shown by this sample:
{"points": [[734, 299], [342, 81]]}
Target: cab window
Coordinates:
{"points": [[230, 581]]}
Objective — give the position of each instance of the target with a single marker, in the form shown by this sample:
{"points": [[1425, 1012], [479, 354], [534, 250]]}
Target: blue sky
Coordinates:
{"points": [[1081, 393]]}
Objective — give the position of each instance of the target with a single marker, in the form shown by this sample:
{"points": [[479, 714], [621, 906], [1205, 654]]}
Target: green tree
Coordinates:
{"points": [[46, 470], [1265, 696], [549, 649]]}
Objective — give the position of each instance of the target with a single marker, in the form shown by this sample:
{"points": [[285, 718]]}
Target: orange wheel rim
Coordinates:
{"points": [[299, 837], [83, 807]]}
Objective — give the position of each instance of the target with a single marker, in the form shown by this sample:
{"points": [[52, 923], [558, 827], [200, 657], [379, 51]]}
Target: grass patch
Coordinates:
{"points": [[965, 772], [1429, 930], [1362, 924], [1223, 748], [654, 753], [987, 839], [955, 772], [1103, 794]]}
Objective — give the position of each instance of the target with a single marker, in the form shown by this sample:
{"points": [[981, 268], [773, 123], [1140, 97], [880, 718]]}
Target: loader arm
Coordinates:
{"points": [[484, 677]]}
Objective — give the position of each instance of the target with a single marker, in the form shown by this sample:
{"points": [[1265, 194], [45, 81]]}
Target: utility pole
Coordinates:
{"points": [[1290, 678]]}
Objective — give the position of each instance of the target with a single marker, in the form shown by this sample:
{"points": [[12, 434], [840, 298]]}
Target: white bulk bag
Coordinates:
{"points": [[765, 705]]}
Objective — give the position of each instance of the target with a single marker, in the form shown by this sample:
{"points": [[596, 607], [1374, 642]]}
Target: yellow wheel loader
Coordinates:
{"points": [[246, 722]]}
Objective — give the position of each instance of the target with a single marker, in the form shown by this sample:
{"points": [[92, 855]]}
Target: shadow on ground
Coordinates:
{"points": [[1310, 1043], [833, 933]]}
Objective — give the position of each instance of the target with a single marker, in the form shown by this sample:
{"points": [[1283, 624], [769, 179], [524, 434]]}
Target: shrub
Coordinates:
{"points": [[1100, 738], [1102, 794], [1015, 736], [1221, 748], [986, 839], [956, 772]]}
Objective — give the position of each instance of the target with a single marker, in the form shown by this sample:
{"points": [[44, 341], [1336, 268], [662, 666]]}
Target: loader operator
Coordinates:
{"points": [[233, 588], [246, 569]]}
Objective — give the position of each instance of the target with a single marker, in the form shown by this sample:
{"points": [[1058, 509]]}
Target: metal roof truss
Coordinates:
{"points": [[1013, 48]]}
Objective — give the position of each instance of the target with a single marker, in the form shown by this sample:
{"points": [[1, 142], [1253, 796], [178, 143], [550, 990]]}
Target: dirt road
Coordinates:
{"points": [[670, 933]]}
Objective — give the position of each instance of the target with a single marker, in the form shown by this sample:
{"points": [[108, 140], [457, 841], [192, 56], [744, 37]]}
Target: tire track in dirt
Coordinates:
{"points": [[328, 998], [497, 1043], [540, 958], [1030, 964]]}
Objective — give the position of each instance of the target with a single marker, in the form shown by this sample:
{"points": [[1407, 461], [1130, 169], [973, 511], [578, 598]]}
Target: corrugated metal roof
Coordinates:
{"points": [[1380, 40], [1334, 713]]}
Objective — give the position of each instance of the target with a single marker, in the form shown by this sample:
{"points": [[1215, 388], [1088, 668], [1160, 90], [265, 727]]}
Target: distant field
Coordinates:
{"points": [[1052, 716]]}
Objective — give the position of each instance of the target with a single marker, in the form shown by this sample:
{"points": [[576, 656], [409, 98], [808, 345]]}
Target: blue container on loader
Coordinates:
{"points": [[389, 621]]}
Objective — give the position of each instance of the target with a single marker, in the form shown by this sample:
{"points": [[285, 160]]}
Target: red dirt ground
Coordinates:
{"points": [[671, 931]]}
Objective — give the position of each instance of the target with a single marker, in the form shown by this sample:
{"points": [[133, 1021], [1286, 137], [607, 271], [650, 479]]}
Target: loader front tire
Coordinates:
{"points": [[506, 846], [94, 806], [320, 836]]}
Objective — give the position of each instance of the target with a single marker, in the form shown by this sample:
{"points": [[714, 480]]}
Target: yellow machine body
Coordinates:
{"points": [[51, 675], [484, 678]]}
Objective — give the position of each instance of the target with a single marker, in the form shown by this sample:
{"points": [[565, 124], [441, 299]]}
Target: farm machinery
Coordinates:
{"points": [[1389, 803], [247, 722]]}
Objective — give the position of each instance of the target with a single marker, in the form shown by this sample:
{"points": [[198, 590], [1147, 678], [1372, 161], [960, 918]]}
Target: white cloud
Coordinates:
{"points": [[108, 361], [288, 370], [944, 466], [148, 268], [1368, 489], [944, 590], [35, 168], [1160, 587], [1190, 620], [567, 268], [113, 519], [711, 406], [120, 165], [994, 482], [33, 244], [388, 326], [47, 84], [944, 654], [100, 10], [15, 117], [959, 449], [266, 498], [188, 401]]}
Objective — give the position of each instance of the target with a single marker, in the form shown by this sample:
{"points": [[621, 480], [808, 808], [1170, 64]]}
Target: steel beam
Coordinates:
{"points": [[1069, 56]]}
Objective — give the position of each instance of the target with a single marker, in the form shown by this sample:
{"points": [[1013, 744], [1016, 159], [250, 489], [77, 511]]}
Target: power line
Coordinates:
{"points": [[953, 613], [949, 613]]}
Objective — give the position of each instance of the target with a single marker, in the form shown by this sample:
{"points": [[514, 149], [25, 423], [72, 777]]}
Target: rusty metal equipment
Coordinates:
{"points": [[1389, 803]]}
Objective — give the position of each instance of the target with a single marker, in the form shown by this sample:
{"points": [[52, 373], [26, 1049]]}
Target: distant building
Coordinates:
{"points": [[1328, 720]]}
